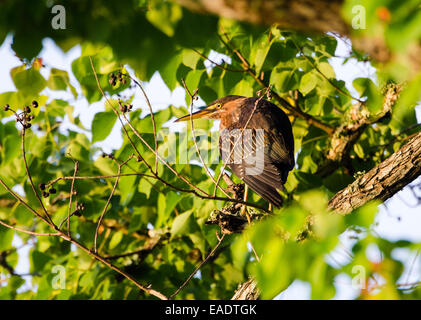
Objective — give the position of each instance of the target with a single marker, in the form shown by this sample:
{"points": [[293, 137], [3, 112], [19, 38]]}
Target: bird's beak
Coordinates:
{"points": [[204, 112]]}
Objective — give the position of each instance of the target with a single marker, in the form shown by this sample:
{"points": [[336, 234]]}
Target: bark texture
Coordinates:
{"points": [[311, 16], [383, 181], [304, 15], [247, 291]]}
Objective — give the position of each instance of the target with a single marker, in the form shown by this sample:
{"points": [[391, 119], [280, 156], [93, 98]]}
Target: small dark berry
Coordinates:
{"points": [[27, 125], [6, 107], [52, 191], [35, 104], [45, 194], [76, 213], [123, 108], [41, 186], [26, 109], [103, 155]]}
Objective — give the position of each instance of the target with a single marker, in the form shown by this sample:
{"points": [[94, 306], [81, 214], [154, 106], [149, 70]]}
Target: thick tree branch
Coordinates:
{"points": [[380, 183], [317, 16], [383, 181], [304, 15]]}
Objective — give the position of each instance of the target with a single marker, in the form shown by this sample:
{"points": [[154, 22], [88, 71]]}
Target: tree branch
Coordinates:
{"points": [[380, 183], [383, 181]]}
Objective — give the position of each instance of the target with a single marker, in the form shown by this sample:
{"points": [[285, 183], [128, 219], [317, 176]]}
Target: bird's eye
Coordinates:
{"points": [[219, 105]]}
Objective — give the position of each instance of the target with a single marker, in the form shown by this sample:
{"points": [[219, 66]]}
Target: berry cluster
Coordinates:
{"points": [[46, 193], [120, 77], [24, 117], [126, 108], [79, 207]]}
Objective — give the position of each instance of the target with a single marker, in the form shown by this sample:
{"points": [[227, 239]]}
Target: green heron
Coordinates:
{"points": [[255, 142]]}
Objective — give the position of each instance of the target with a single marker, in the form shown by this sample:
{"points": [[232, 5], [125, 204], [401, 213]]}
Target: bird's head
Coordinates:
{"points": [[216, 110]]}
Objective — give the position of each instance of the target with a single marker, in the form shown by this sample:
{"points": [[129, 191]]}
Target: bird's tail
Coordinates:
{"points": [[266, 191]]}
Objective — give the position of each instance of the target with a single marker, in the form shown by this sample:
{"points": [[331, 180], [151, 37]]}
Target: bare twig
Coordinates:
{"points": [[283, 103], [71, 195], [108, 201], [152, 117], [220, 239], [30, 178], [141, 138], [324, 76], [192, 96], [64, 236], [220, 66], [28, 231]]}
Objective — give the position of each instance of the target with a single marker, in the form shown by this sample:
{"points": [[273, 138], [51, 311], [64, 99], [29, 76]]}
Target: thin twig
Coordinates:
{"points": [[324, 76], [147, 289], [108, 202], [99, 177], [152, 118], [220, 66], [71, 196], [192, 96], [141, 138], [283, 103], [28, 231], [220, 239], [24, 203], [197, 191], [30, 178]]}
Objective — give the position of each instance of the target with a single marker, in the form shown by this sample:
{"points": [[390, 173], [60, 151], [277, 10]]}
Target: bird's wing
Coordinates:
{"points": [[250, 160], [263, 153]]}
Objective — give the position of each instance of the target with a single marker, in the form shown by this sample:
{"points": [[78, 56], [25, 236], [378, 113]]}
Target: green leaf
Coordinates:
{"points": [[326, 69], [28, 81], [145, 186], [11, 148], [166, 205], [243, 88], [37, 260], [127, 188], [164, 16], [59, 80], [308, 82], [6, 238], [169, 71], [367, 88], [190, 58], [115, 240], [181, 223], [102, 125], [285, 80]]}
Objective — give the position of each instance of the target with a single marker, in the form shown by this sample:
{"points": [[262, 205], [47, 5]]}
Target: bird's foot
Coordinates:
{"points": [[244, 211]]}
